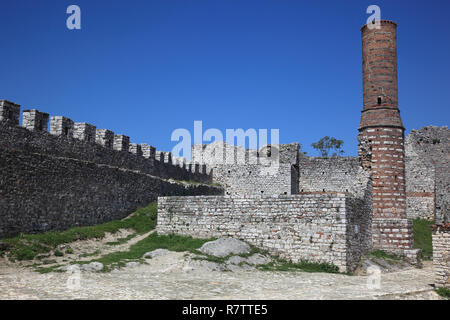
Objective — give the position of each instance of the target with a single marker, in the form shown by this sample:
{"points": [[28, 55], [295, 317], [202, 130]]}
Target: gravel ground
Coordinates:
{"points": [[168, 277]]}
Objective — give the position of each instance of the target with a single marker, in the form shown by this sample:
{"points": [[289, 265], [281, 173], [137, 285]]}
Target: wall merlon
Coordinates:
{"points": [[35, 120], [135, 149], [105, 138], [159, 156], [121, 142], [148, 151], [9, 111], [61, 126], [167, 157], [84, 131]]}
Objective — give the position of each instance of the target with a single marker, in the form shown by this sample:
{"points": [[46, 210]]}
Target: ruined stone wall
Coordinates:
{"points": [[244, 180], [334, 174], [271, 170], [321, 227], [427, 173], [441, 255]]}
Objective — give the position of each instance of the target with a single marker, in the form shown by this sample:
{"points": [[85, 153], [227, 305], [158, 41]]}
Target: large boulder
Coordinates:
{"points": [[224, 247]]}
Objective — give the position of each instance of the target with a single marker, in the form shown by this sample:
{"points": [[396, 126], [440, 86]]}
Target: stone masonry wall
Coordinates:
{"points": [[427, 173], [72, 176], [40, 192], [18, 138], [319, 227], [441, 255], [334, 174], [254, 179], [271, 170]]}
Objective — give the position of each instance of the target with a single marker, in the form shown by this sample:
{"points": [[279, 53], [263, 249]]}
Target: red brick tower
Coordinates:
{"points": [[381, 136]]}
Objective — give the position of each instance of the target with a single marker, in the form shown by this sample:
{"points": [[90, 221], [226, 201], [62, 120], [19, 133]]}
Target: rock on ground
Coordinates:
{"points": [[132, 264], [370, 265], [257, 259], [204, 265], [91, 267], [236, 260], [225, 246], [155, 253], [70, 268]]}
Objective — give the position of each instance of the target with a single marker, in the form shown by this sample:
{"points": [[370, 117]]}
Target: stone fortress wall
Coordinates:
{"points": [[78, 175]]}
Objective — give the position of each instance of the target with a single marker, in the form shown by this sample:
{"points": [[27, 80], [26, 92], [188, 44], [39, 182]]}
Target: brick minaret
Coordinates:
{"points": [[381, 136]]}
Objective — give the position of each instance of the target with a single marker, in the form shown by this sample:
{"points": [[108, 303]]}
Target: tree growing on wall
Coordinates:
{"points": [[327, 144]]}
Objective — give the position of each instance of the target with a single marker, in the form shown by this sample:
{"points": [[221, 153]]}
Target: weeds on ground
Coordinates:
{"points": [[28, 246], [306, 266], [443, 292], [384, 255], [150, 243]]}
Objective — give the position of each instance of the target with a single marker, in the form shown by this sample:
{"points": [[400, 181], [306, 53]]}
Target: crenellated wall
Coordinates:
{"points": [[84, 142], [77, 174]]}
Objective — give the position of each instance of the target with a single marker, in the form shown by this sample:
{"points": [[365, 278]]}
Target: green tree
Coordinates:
{"points": [[328, 144]]}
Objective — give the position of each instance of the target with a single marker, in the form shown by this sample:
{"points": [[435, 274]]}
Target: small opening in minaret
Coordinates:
{"points": [[379, 100]]}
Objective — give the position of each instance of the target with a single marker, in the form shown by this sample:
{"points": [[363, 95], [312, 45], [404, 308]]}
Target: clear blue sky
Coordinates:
{"points": [[146, 67]]}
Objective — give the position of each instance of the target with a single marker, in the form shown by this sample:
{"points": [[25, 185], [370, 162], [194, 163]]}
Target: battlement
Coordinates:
{"points": [[9, 111], [35, 120], [61, 126], [81, 140]]}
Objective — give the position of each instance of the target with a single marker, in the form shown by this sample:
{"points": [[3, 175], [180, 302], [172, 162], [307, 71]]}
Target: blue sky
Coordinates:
{"points": [[147, 67]]}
